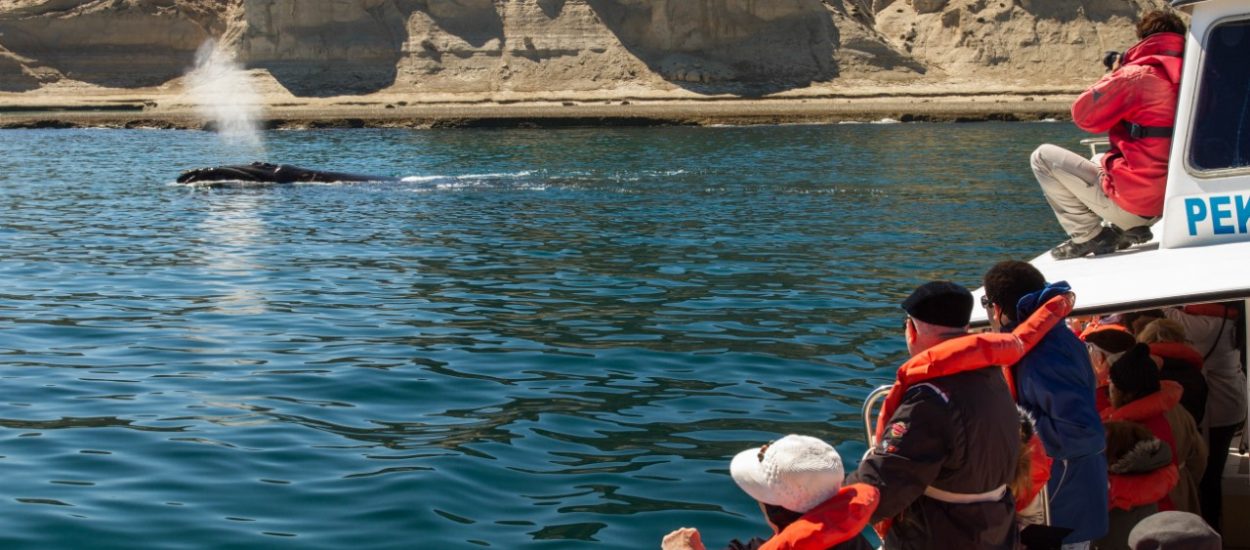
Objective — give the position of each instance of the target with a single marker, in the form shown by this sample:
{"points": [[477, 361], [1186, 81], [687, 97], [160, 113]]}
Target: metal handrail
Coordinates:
{"points": [[1095, 143], [870, 420]]}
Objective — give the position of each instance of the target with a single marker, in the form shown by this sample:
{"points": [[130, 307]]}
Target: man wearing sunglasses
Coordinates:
{"points": [[1055, 384]]}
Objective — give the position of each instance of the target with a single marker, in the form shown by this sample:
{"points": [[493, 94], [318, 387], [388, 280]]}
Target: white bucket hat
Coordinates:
{"points": [[796, 472]]}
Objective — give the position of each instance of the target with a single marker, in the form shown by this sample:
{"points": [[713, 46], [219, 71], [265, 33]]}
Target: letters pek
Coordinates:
{"points": [[1218, 215]]}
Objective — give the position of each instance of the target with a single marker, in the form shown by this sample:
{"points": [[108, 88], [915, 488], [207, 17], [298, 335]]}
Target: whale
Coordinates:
{"points": [[264, 172]]}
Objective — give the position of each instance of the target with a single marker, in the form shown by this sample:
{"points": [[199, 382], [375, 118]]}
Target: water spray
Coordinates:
{"points": [[224, 95]]}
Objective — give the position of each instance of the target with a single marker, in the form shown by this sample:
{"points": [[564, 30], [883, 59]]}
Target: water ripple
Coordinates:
{"points": [[535, 337]]}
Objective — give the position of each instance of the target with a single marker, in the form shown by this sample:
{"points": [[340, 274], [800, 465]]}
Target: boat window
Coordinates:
{"points": [[1221, 132]]}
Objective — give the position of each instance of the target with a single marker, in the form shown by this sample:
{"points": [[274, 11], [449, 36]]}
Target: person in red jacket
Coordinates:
{"points": [[1136, 105]]}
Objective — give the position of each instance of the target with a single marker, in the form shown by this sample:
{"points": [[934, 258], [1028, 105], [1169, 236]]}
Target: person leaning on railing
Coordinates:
{"points": [[1055, 383], [948, 437]]}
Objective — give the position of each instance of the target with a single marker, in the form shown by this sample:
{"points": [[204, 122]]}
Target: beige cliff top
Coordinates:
{"points": [[415, 62]]}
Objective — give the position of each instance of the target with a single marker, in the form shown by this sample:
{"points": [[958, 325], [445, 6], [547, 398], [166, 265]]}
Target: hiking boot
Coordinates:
{"points": [[1134, 236], [1105, 242]]}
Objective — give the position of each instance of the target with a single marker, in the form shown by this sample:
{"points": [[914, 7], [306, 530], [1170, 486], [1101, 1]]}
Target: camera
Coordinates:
{"points": [[1110, 58]]}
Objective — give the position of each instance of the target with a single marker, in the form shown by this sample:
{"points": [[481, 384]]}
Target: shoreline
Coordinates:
{"points": [[172, 112]]}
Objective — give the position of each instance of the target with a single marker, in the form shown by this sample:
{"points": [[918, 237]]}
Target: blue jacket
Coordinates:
{"points": [[1055, 383]]}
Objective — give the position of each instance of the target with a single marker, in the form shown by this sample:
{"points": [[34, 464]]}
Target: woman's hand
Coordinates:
{"points": [[686, 538]]}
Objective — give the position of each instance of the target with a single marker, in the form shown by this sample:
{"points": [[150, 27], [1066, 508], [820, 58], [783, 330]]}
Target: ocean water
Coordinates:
{"points": [[538, 339]]}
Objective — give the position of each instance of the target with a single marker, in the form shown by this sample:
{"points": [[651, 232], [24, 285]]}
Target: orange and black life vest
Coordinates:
{"points": [[973, 352], [837, 520]]}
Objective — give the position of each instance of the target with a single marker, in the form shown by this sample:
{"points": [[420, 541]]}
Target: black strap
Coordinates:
{"points": [[1137, 131], [1218, 336]]}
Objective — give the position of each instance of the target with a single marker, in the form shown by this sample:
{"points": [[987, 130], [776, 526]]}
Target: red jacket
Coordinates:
{"points": [[1142, 91]]}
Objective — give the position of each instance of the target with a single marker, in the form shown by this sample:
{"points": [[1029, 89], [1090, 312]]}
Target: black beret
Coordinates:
{"points": [[941, 303], [1135, 372]]}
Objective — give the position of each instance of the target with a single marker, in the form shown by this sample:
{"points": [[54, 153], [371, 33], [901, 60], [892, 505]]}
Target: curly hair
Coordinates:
{"points": [[1010, 280], [1159, 21]]}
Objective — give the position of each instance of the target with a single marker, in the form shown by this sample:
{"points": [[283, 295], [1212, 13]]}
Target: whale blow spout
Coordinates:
{"points": [[224, 96], [264, 172]]}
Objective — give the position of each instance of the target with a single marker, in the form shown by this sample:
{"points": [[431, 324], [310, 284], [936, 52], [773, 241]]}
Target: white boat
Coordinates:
{"points": [[1201, 249]]}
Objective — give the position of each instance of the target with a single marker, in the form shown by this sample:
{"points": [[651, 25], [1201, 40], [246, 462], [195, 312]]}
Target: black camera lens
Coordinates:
{"points": [[1110, 58]]}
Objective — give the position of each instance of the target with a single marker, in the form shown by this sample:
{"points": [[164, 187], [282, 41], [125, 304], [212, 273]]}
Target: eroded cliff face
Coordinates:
{"points": [[114, 43], [345, 47], [1058, 41]]}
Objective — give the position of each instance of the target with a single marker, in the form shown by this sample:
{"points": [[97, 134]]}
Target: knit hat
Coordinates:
{"points": [[1174, 531], [796, 472], [941, 303], [1135, 372]]}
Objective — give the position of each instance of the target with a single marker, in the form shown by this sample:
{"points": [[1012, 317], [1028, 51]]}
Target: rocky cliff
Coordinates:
{"points": [[320, 48]]}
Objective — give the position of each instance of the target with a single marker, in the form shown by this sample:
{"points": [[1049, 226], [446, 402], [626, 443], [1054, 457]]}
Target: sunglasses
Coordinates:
{"points": [[985, 302]]}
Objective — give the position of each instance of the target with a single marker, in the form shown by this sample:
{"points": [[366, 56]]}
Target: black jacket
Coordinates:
{"points": [[958, 433]]}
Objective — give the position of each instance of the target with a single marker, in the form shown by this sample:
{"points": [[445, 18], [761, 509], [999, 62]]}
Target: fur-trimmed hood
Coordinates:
{"points": [[1146, 456]]}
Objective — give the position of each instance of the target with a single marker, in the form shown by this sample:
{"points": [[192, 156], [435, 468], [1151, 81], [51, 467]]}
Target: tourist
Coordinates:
{"points": [[1136, 105], [1055, 383], [1138, 395], [948, 437], [797, 481], [1180, 363], [1215, 330], [1141, 473], [1106, 342]]}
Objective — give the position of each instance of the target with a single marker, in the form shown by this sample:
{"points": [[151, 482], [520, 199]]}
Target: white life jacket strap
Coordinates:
{"points": [[965, 498]]}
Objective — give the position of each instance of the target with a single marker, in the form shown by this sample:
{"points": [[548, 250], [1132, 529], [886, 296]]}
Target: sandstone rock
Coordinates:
{"points": [[928, 6], [127, 43], [345, 46], [13, 77], [786, 40], [338, 47]]}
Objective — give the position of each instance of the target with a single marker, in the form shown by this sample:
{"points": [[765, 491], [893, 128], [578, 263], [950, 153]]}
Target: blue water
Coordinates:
{"points": [[542, 339]]}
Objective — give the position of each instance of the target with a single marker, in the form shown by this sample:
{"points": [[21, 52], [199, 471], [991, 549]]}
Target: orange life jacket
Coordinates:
{"points": [[1128, 491], [1155, 404], [1211, 310], [972, 352], [1177, 350], [1149, 412], [1039, 473], [837, 520]]}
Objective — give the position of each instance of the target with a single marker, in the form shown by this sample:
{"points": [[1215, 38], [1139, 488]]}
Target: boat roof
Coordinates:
{"points": [[1146, 277]]}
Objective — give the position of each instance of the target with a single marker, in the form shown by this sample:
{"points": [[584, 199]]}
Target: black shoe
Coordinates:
{"points": [[1105, 242], [1134, 236]]}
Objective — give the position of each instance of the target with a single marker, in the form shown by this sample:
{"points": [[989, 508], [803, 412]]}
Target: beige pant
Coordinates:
{"points": [[1072, 185]]}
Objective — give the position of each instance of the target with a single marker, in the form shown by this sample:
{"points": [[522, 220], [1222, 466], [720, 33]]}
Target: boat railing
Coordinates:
{"points": [[871, 404], [1095, 143]]}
